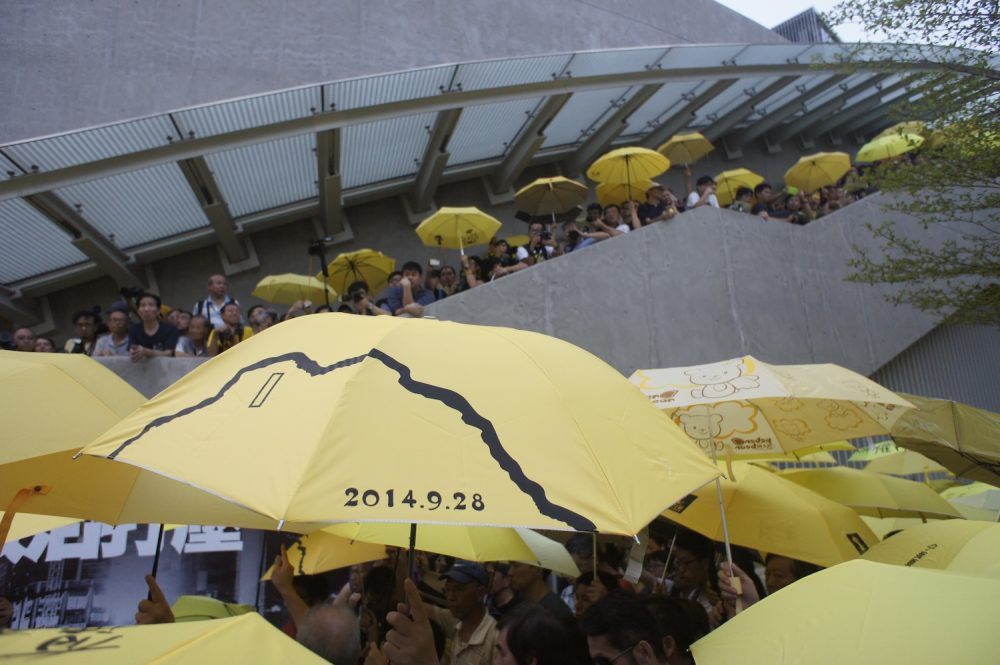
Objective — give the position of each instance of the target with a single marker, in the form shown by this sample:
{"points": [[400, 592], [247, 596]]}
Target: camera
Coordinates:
{"points": [[318, 247], [546, 235]]}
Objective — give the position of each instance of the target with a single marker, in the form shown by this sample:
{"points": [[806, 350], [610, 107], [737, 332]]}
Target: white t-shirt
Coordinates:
{"points": [[624, 228], [694, 196]]}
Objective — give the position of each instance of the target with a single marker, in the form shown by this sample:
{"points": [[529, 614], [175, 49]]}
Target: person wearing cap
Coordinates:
{"points": [[655, 209], [704, 194], [471, 629]]}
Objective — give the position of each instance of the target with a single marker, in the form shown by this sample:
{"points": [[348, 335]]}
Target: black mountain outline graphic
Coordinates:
{"points": [[449, 398]]}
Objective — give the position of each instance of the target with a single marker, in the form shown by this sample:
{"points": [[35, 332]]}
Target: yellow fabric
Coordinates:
{"points": [[751, 409], [727, 182], [905, 127], [224, 345], [365, 265], [26, 525], [545, 196], [964, 439], [686, 148], [200, 608], [317, 419], [863, 613], [616, 193], [766, 512], [814, 171], [903, 463], [287, 288], [965, 546], [457, 228], [472, 543], [320, 551], [628, 165], [874, 494], [889, 146], [819, 453], [242, 639]]}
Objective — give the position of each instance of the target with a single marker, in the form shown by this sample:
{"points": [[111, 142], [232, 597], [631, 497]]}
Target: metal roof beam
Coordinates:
{"points": [[722, 125], [15, 311], [527, 143], [111, 260], [598, 141], [823, 110], [206, 190], [681, 118], [435, 160], [743, 136], [331, 204], [866, 107]]}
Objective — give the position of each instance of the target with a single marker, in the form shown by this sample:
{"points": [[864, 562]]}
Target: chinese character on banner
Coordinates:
{"points": [[212, 539]]}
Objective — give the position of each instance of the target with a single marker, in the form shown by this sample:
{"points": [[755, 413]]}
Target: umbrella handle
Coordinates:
{"points": [[15, 504], [156, 559]]}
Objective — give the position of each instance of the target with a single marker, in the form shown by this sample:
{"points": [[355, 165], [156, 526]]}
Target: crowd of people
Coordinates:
{"points": [[452, 612]]}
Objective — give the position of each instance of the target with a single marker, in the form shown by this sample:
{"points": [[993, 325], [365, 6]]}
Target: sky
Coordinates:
{"points": [[770, 15]]}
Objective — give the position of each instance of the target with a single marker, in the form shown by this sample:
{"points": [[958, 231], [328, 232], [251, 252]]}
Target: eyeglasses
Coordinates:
{"points": [[604, 660]]}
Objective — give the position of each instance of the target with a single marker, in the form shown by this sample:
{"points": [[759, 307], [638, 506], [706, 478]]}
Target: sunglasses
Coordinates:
{"points": [[604, 660]]}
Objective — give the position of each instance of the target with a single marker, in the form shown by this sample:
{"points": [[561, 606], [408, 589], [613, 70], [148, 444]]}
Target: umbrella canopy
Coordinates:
{"points": [[473, 543], [888, 146], [814, 171], [987, 499], [616, 193], [686, 148], [748, 408], [964, 546], [457, 228], [242, 639], [863, 613], [440, 444], [39, 448], [818, 453], [320, 551], [768, 513], [903, 463], [26, 525], [962, 438], [288, 288], [365, 265], [727, 182], [628, 165], [200, 608], [546, 196], [906, 127], [874, 494]]}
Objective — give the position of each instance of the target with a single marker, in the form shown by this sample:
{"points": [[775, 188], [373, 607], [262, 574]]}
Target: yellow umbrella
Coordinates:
{"points": [[26, 524], [968, 490], [365, 265], [548, 196], [320, 551], [874, 494], [818, 453], [517, 240], [881, 526], [440, 444], [38, 474], [473, 543], [903, 463], [988, 500], [686, 148], [973, 512], [821, 457], [457, 228], [747, 408], [727, 182], [906, 127], [628, 165], [243, 639], [814, 171], [616, 193], [768, 513], [889, 146], [863, 613], [287, 288], [964, 546], [200, 608], [964, 439]]}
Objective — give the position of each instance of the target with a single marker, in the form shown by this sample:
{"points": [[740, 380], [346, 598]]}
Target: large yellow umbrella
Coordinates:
{"points": [[457, 228], [746, 408], [26, 524], [988, 499], [242, 639], [686, 148], [903, 463], [768, 513], [320, 551], [473, 543], [863, 613], [628, 165], [962, 438], [874, 494], [287, 288], [818, 453], [200, 608], [277, 425], [965, 546], [727, 182], [814, 171], [548, 196], [365, 265], [906, 127], [616, 193], [889, 146]]}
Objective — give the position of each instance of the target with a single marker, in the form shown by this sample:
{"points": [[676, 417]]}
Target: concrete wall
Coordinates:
{"points": [[71, 64]]}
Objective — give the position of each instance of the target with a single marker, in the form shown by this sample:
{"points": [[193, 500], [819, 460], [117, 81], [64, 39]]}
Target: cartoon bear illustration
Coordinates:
{"points": [[702, 428], [793, 427], [720, 380], [839, 416]]}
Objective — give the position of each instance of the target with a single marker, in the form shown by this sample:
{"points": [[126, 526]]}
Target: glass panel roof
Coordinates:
{"points": [[769, 54], [582, 113], [249, 112], [383, 150], [730, 98], [518, 71], [487, 130], [668, 100], [375, 90], [266, 175], [139, 206], [26, 231], [687, 57], [601, 63], [8, 169]]}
